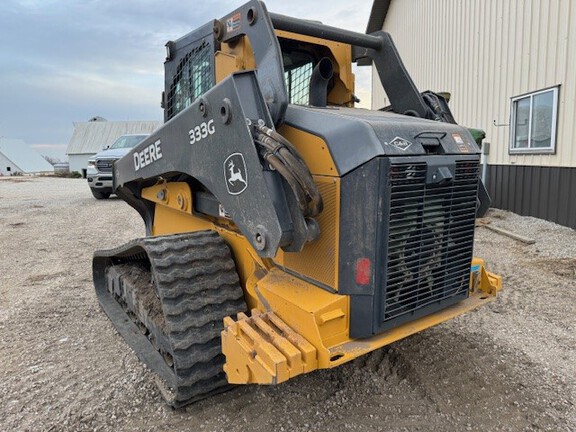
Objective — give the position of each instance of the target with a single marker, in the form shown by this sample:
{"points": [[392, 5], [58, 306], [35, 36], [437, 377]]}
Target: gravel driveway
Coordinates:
{"points": [[508, 366]]}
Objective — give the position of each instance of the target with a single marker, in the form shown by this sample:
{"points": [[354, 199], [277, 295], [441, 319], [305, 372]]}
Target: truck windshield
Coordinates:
{"points": [[127, 141]]}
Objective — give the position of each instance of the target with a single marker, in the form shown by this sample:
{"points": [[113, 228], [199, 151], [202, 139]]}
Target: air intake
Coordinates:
{"points": [[429, 237]]}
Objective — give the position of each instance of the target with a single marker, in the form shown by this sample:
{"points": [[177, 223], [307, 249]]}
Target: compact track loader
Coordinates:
{"points": [[286, 230]]}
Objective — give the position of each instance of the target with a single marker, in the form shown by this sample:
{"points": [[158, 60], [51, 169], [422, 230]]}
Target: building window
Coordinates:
{"points": [[533, 123]]}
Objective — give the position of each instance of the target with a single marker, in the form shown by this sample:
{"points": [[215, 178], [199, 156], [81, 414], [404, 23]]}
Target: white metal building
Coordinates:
{"points": [[92, 136], [509, 66], [16, 157]]}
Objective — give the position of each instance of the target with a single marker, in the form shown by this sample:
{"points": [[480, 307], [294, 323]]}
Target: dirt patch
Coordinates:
{"points": [[14, 180], [143, 293], [506, 367], [44, 277], [497, 214], [563, 267]]}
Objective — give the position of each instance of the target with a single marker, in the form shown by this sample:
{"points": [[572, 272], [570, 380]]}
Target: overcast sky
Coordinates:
{"points": [[63, 61]]}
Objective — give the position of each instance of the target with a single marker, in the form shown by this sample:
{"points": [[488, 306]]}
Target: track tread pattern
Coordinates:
{"points": [[197, 284]]}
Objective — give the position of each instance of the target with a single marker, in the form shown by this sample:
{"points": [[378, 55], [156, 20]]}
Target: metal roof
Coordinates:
{"points": [[89, 137], [24, 157]]}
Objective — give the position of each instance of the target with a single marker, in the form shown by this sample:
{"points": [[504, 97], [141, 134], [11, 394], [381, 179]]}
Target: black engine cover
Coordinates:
{"points": [[406, 238]]}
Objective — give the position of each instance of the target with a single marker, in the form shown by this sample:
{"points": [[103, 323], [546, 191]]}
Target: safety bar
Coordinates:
{"points": [[315, 29]]}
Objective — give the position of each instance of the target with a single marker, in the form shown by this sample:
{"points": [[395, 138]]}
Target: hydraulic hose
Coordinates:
{"points": [[284, 158]]}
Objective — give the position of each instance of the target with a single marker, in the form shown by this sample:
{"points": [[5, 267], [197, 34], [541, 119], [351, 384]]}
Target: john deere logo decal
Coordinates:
{"points": [[235, 174], [400, 143]]}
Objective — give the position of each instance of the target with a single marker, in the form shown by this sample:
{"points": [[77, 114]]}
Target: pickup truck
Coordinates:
{"points": [[99, 172]]}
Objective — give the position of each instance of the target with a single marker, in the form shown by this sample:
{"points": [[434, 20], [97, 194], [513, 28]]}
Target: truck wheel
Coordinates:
{"points": [[100, 194]]}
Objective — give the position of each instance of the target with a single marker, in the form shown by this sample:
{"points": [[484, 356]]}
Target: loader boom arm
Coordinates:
{"points": [[211, 142]]}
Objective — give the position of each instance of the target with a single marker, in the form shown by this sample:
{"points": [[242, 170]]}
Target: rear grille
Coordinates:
{"points": [[430, 239], [104, 165]]}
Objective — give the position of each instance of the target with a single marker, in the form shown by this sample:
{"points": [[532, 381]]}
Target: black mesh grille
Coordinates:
{"points": [[194, 76], [430, 238], [104, 165], [298, 84]]}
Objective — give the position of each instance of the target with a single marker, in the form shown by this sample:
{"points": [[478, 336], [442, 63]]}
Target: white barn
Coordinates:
{"points": [[92, 136], [16, 157]]}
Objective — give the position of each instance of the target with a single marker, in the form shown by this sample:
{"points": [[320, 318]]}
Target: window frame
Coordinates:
{"points": [[534, 150]]}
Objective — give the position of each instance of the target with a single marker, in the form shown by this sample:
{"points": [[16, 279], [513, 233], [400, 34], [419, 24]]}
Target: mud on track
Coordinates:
{"points": [[508, 366]]}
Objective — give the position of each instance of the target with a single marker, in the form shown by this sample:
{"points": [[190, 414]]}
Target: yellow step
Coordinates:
{"points": [[263, 349]]}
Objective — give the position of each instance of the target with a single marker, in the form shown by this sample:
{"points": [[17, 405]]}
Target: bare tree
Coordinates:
{"points": [[51, 160]]}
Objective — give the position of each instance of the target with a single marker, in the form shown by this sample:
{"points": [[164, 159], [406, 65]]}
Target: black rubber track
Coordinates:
{"points": [[197, 285]]}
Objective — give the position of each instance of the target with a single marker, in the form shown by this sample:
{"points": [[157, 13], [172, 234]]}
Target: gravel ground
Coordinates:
{"points": [[508, 366]]}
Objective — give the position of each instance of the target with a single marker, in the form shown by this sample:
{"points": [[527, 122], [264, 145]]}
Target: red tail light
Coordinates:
{"points": [[363, 271]]}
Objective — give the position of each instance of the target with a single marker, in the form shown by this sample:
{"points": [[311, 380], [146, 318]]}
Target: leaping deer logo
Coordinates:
{"points": [[235, 175]]}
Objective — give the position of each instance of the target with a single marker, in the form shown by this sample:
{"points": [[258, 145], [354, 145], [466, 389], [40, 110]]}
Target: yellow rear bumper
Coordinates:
{"points": [[287, 339]]}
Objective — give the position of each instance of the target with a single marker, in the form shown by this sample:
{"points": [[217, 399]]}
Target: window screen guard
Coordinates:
{"points": [[193, 76]]}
